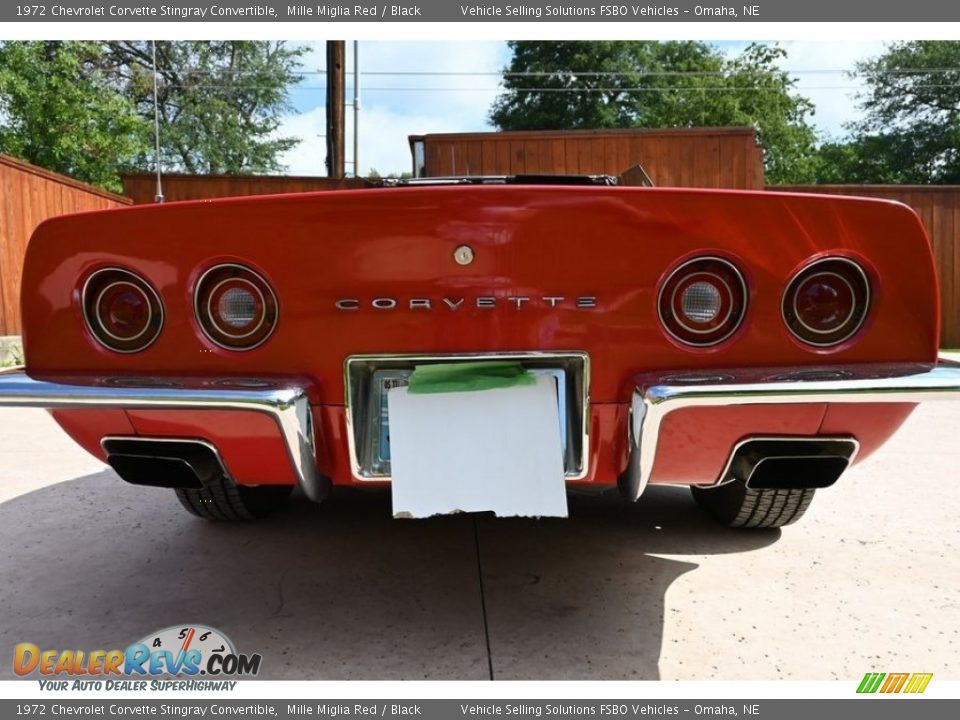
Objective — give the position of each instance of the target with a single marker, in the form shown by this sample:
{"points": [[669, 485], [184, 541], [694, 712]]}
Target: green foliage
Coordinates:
{"points": [[624, 84], [11, 355], [220, 101], [374, 174], [911, 127], [85, 109], [59, 110], [861, 161]]}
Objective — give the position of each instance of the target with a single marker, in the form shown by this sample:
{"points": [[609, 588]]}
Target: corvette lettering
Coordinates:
{"points": [[483, 302]]}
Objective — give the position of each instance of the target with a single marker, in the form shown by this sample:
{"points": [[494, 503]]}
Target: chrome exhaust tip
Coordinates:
{"points": [[166, 463], [790, 463]]}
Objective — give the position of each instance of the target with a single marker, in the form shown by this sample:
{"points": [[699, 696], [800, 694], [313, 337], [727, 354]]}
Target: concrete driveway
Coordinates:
{"points": [[869, 580]]}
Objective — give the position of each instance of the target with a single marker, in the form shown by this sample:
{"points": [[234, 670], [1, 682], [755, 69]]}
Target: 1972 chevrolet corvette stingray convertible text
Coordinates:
{"points": [[751, 345]]}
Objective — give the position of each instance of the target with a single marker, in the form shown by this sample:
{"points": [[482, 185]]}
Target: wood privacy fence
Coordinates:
{"points": [[28, 196], [142, 188], [939, 208], [694, 157]]}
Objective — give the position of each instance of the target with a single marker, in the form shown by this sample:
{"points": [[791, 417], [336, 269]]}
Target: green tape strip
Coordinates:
{"points": [[468, 376]]}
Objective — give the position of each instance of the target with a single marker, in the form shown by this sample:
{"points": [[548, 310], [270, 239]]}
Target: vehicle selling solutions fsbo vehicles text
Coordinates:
{"points": [[602, 11]]}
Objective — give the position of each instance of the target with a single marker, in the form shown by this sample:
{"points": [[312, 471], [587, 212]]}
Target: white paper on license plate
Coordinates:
{"points": [[495, 449]]}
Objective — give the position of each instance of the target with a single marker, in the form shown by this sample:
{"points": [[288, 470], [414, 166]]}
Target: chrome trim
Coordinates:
{"points": [[868, 297], [869, 383], [138, 282], [197, 315], [725, 477], [540, 356], [287, 404], [149, 439], [743, 287]]}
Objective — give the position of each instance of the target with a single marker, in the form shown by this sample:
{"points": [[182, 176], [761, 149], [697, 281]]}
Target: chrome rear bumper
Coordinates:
{"points": [[286, 402], [657, 395]]}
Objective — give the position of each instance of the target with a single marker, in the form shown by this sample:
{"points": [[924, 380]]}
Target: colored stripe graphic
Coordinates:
{"points": [[894, 682], [870, 682], [918, 682], [913, 683]]}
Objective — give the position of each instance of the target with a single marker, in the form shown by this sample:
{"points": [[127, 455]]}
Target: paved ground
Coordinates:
{"points": [[870, 580]]}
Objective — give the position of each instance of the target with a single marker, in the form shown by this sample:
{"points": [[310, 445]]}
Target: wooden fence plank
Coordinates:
{"points": [[687, 157], [30, 196]]}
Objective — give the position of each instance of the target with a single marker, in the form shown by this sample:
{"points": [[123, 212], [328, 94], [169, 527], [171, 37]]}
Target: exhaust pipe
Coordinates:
{"points": [[790, 463], [166, 463]]}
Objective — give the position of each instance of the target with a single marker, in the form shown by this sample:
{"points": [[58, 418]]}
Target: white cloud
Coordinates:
{"points": [[309, 156], [394, 106], [821, 71]]}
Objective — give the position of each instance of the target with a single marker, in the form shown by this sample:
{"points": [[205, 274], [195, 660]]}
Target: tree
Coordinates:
{"points": [[59, 110], [220, 102], [860, 161], [623, 84], [910, 132]]}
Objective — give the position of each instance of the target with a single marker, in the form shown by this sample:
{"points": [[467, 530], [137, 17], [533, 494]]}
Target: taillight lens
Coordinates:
{"points": [[703, 301], [122, 311], [235, 307], [827, 301]]}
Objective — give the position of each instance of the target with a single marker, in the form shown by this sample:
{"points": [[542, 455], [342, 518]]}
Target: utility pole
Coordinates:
{"points": [[336, 97], [356, 108]]}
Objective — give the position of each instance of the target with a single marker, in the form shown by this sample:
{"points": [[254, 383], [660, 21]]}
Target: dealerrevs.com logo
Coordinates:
{"points": [[178, 651]]}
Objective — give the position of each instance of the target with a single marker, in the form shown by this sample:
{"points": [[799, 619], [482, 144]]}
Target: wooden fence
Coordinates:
{"points": [[695, 157], [939, 208], [142, 188], [28, 196]]}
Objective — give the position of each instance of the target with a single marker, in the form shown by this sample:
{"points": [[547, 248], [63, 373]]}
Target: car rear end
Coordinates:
{"points": [[694, 337]]}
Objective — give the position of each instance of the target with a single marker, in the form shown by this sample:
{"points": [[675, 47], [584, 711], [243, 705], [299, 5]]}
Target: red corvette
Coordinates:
{"points": [[751, 345]]}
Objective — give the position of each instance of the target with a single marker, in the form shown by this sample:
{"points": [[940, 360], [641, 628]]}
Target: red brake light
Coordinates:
{"points": [[235, 307], [121, 310], [827, 302], [703, 301]]}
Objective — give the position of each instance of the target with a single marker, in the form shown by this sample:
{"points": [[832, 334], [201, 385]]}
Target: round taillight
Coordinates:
{"points": [[121, 310], [703, 301], [827, 301], [235, 307]]}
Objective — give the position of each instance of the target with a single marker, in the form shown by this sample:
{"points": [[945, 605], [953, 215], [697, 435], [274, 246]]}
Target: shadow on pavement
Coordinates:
{"points": [[342, 591], [584, 598]]}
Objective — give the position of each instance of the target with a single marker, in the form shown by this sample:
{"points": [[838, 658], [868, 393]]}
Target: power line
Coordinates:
{"points": [[656, 73], [568, 89], [590, 73]]}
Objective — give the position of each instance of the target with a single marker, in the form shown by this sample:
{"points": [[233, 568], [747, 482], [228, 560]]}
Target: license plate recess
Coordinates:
{"points": [[369, 378]]}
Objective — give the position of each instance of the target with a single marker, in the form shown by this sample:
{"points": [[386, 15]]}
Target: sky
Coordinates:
{"points": [[399, 96]]}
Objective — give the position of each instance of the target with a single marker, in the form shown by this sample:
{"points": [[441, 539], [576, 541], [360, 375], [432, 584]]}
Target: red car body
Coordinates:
{"points": [[373, 272]]}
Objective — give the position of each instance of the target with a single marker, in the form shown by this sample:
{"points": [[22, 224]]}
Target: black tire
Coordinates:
{"points": [[737, 506], [220, 499]]}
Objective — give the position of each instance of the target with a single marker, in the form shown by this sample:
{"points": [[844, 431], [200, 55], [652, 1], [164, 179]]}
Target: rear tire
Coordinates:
{"points": [[737, 506], [221, 499]]}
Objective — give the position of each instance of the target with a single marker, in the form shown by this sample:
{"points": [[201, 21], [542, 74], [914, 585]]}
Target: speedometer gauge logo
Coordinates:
{"points": [[189, 650], [199, 643]]}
